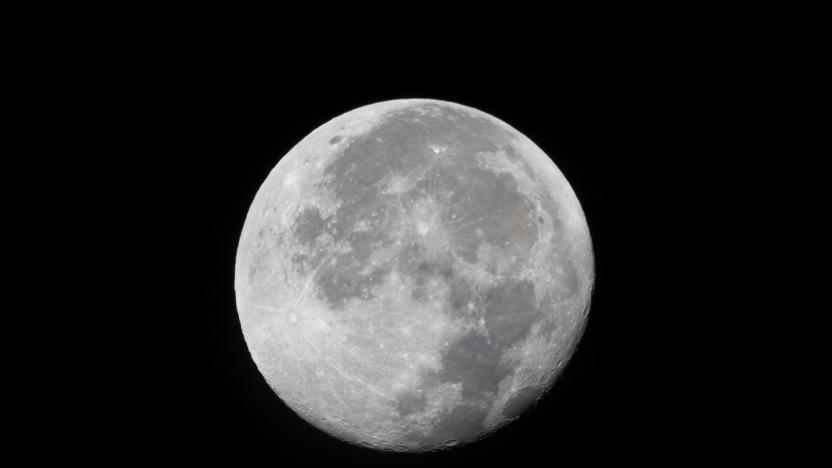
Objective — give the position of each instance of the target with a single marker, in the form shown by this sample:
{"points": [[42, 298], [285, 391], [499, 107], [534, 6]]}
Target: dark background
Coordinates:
{"points": [[623, 121], [145, 133]]}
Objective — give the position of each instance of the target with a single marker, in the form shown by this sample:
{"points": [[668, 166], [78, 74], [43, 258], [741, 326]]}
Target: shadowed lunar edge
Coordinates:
{"points": [[434, 214]]}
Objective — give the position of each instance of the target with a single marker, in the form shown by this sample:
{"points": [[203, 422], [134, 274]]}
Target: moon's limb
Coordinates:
{"points": [[413, 275]]}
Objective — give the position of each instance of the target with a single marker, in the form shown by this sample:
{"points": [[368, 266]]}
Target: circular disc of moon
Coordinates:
{"points": [[413, 275]]}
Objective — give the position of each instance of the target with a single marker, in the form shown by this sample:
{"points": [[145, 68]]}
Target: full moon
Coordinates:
{"points": [[413, 275]]}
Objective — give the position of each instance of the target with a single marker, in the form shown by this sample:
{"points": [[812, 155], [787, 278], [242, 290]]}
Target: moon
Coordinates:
{"points": [[413, 275]]}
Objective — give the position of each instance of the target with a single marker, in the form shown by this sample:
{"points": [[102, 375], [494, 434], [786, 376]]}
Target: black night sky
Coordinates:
{"points": [[620, 122]]}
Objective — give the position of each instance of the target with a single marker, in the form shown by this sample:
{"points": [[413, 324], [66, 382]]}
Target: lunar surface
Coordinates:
{"points": [[413, 275]]}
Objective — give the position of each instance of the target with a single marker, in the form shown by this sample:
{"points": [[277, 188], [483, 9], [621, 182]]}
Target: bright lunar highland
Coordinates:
{"points": [[413, 275]]}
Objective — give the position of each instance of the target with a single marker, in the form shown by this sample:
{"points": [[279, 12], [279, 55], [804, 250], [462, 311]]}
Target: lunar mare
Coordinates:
{"points": [[413, 275]]}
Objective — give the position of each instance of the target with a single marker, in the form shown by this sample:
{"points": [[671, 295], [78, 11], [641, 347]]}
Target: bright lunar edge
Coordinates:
{"points": [[413, 275]]}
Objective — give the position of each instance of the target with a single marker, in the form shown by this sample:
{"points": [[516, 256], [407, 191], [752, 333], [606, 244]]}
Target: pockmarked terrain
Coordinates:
{"points": [[413, 275]]}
